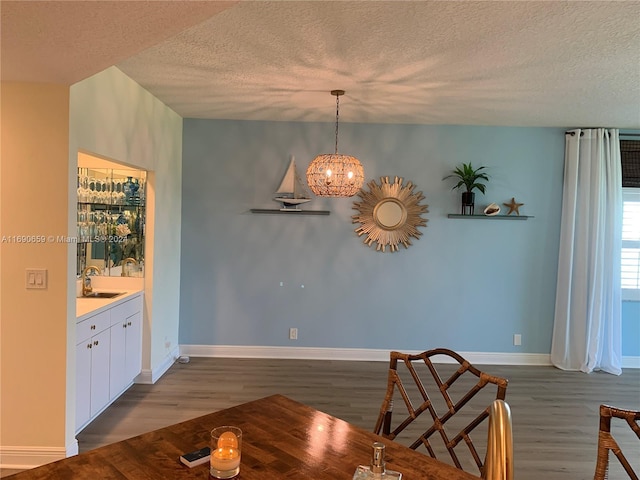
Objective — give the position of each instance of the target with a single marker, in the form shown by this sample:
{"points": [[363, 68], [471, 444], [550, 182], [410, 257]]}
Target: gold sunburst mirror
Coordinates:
{"points": [[389, 214]]}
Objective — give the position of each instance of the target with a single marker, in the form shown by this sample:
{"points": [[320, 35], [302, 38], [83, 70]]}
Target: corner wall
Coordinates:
{"points": [[114, 117]]}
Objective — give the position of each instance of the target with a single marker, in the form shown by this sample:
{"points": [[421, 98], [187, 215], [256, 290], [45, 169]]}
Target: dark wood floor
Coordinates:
{"points": [[555, 413]]}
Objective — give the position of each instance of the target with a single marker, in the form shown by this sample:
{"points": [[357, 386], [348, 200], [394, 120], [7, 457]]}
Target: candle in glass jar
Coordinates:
{"points": [[225, 458], [225, 452]]}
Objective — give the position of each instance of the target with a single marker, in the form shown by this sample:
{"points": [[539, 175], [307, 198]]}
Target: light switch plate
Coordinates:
{"points": [[36, 278]]}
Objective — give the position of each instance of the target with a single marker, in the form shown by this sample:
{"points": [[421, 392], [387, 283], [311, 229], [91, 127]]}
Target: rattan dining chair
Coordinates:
{"points": [[443, 399], [606, 442]]}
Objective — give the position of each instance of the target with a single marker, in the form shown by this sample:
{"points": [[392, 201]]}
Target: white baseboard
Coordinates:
{"points": [[144, 376], [25, 457], [151, 376], [355, 354], [630, 362], [73, 449]]}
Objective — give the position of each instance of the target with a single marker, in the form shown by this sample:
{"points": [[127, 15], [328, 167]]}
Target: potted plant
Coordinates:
{"points": [[469, 178]]}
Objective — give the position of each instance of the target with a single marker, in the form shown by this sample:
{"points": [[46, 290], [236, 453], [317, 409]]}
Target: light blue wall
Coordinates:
{"points": [[465, 284], [631, 329]]}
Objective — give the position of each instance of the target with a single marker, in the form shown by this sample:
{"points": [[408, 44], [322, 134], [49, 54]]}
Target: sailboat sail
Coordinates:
{"points": [[291, 191]]}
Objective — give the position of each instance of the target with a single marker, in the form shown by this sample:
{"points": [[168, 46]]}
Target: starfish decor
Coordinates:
{"points": [[513, 206]]}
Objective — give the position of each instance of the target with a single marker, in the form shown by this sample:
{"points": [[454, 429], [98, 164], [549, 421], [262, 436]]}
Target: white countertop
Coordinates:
{"points": [[86, 307]]}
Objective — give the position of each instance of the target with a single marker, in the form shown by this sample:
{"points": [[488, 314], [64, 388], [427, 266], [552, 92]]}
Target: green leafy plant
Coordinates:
{"points": [[469, 177]]}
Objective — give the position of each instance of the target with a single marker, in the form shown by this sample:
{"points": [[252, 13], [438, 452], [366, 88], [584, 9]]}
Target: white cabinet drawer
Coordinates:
{"points": [[120, 312], [92, 326]]}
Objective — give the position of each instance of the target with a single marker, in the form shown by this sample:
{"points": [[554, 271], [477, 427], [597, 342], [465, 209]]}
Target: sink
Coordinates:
{"points": [[102, 294]]}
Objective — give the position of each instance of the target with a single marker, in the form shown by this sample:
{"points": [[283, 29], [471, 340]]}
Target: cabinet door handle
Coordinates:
{"points": [[129, 324], [93, 327], [124, 325], [96, 342], [89, 346]]}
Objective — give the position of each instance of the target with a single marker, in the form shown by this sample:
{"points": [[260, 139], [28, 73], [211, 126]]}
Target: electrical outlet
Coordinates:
{"points": [[517, 339], [293, 334]]}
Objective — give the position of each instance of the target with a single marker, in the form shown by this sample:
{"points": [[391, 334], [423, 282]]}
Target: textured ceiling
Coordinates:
{"points": [[67, 41], [522, 63]]}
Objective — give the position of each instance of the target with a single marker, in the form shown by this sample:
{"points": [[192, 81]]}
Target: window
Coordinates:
{"points": [[630, 162], [630, 271]]}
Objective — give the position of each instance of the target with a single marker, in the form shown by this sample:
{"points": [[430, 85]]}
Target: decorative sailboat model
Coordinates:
{"points": [[291, 191]]}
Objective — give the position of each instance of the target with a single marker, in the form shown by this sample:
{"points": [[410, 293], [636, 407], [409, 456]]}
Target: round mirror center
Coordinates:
{"points": [[389, 214]]}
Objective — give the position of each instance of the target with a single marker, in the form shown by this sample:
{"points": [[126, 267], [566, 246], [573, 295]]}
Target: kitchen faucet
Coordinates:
{"points": [[86, 280], [124, 264]]}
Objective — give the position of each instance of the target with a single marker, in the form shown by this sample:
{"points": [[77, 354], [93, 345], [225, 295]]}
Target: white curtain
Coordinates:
{"points": [[587, 332]]}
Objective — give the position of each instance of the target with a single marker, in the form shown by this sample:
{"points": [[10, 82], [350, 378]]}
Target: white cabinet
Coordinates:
{"points": [[99, 371], [116, 365], [126, 345], [133, 354], [92, 366], [108, 357], [83, 383]]}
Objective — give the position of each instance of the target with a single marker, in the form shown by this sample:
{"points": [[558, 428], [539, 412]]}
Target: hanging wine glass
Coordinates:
{"points": [[98, 192], [143, 191], [91, 226], [104, 196], [119, 193], [83, 187], [112, 190], [79, 188], [82, 225], [92, 190], [102, 223]]}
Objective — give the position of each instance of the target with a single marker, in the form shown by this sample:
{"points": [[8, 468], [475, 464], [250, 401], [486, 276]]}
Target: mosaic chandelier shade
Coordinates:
{"points": [[335, 174]]}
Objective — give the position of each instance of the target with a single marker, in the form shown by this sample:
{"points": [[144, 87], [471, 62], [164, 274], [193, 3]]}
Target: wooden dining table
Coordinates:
{"points": [[281, 439]]}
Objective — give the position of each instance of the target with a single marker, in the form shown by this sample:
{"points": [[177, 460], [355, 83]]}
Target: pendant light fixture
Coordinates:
{"points": [[335, 174]]}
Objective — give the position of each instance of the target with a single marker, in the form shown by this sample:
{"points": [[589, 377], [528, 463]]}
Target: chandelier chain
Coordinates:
{"points": [[337, 115]]}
